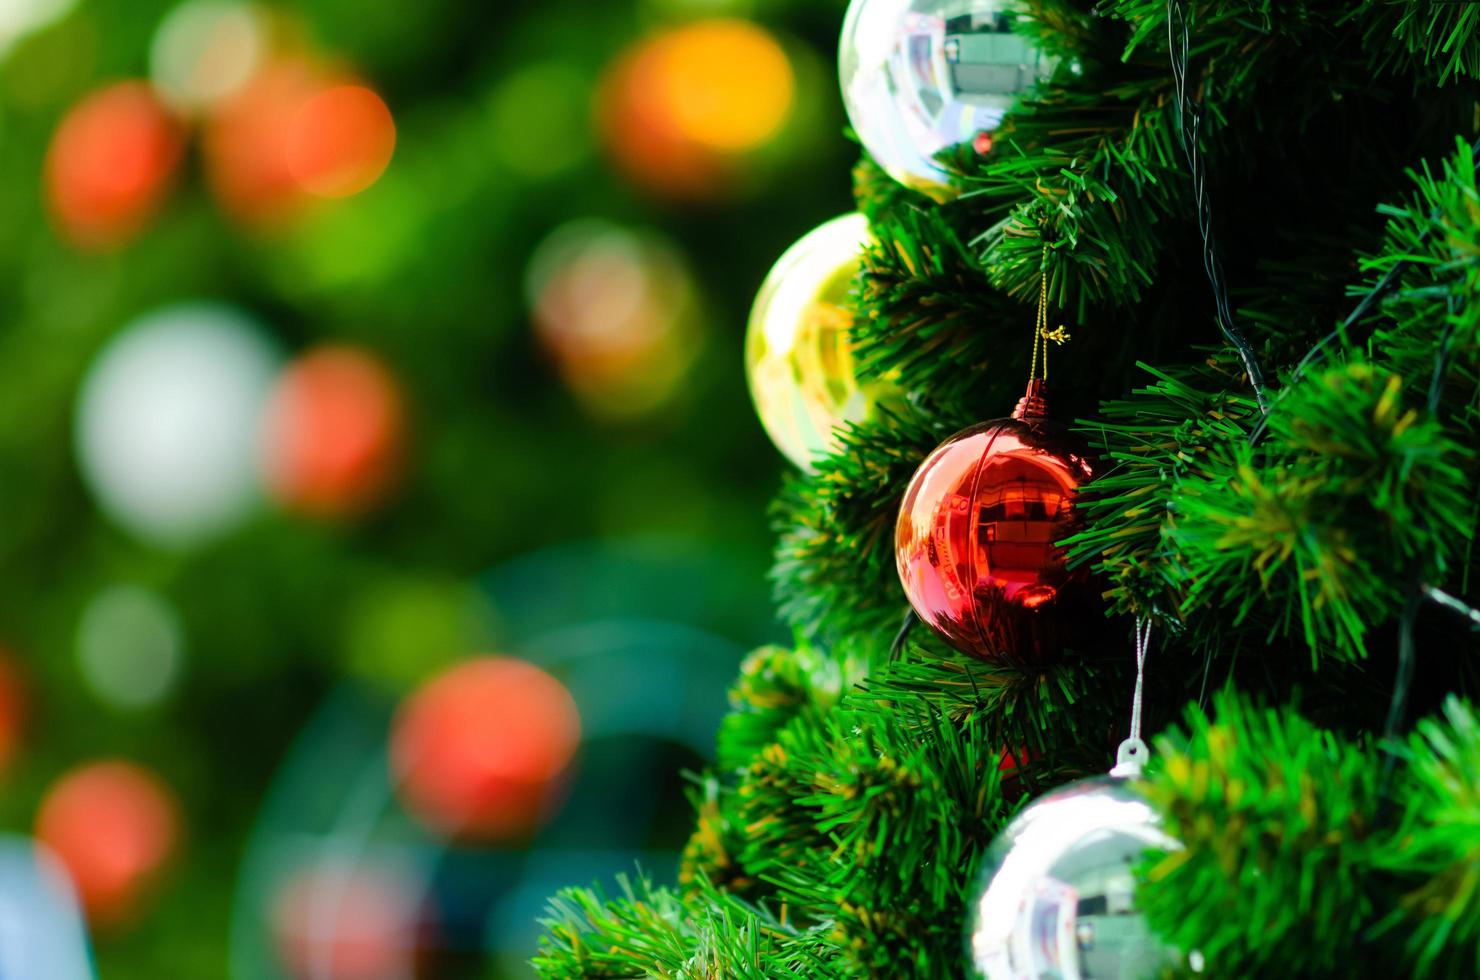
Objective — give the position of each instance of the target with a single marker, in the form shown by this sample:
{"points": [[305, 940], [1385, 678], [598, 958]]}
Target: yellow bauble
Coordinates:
{"points": [[798, 354]]}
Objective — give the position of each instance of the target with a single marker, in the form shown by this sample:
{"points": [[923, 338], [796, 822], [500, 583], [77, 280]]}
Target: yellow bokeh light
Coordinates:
{"points": [[727, 84]]}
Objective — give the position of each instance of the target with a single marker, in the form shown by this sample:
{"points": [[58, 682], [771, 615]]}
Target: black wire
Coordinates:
{"points": [[1378, 290], [1417, 591], [1441, 360], [1189, 126], [1402, 682], [897, 647]]}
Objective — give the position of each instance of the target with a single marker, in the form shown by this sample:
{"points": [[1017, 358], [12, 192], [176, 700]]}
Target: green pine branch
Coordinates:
{"points": [[1296, 855], [834, 573], [1275, 818]]}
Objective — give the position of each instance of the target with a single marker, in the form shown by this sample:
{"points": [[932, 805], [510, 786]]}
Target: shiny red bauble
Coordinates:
{"points": [[977, 543], [479, 750]]}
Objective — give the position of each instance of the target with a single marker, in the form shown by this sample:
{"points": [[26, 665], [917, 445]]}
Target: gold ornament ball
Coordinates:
{"points": [[798, 352]]}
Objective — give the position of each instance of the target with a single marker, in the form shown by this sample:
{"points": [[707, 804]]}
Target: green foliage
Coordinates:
{"points": [[1093, 194], [649, 932], [1351, 485], [1301, 847], [1169, 432], [834, 572], [1435, 850], [880, 196], [1438, 42], [925, 301], [1432, 243], [865, 822], [777, 685], [1274, 816], [1279, 549], [1056, 716]]}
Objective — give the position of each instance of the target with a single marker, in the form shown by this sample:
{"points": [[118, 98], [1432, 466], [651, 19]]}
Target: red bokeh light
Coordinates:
{"points": [[109, 165], [477, 749], [340, 141], [293, 133], [12, 709], [335, 432], [113, 825], [345, 923]]}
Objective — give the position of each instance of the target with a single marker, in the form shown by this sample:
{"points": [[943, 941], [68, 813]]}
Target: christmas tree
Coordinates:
{"points": [[1259, 227]]}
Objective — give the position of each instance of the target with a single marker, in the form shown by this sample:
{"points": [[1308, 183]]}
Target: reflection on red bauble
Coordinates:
{"points": [[113, 825], [477, 751], [1010, 766], [109, 165], [978, 532], [334, 921], [334, 432]]}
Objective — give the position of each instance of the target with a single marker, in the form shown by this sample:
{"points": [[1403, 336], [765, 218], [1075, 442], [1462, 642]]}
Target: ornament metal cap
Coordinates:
{"points": [[1034, 403]]}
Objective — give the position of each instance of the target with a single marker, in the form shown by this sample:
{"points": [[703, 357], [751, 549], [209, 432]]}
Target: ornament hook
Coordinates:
{"points": [[1042, 336], [1131, 757]]}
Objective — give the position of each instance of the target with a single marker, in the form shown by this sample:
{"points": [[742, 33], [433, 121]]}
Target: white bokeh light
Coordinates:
{"points": [[168, 422], [206, 50], [129, 646], [21, 17]]}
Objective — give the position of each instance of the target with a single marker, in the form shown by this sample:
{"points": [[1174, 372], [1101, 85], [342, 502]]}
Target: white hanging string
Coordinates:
{"points": [[1130, 758]]}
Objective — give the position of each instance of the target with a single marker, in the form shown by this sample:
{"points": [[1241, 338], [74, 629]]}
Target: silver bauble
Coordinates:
{"points": [[921, 75], [1057, 893]]}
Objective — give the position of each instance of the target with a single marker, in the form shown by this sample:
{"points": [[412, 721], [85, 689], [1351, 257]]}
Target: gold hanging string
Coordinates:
{"points": [[1042, 336]]}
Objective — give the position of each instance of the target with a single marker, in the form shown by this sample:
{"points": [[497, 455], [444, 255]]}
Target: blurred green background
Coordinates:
{"points": [[583, 393]]}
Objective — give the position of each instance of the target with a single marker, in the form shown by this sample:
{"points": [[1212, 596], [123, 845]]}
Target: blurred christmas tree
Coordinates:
{"points": [[314, 313]]}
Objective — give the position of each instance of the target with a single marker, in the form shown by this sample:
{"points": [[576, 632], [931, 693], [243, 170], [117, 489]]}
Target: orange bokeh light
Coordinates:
{"points": [[291, 134], [476, 750], [335, 432], [725, 84], [245, 143], [113, 825], [341, 141], [109, 165], [679, 110]]}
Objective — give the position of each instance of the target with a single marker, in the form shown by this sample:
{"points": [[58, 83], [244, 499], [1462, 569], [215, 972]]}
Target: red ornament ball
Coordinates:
{"points": [[478, 750], [334, 434], [977, 539], [109, 165], [982, 142], [113, 825]]}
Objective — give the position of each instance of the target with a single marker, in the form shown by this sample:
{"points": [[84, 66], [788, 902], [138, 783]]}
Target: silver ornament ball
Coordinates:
{"points": [[1057, 894], [921, 75]]}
